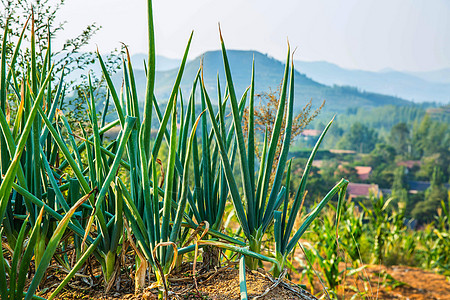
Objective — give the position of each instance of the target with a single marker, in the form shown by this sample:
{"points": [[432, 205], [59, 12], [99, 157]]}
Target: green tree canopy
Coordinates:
{"points": [[425, 211], [400, 138], [359, 138]]}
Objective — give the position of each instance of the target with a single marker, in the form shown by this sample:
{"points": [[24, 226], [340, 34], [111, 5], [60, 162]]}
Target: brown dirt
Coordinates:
{"points": [[396, 282], [402, 282], [419, 284], [225, 285], [222, 284]]}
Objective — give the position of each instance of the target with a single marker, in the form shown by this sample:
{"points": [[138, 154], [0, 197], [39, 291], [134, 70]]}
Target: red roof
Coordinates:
{"points": [[409, 163], [311, 132], [317, 163], [340, 151], [363, 172], [362, 189]]}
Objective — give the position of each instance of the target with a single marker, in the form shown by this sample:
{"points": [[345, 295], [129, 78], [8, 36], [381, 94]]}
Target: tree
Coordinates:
{"points": [[266, 112], [359, 138], [44, 14], [425, 211], [430, 137], [382, 154], [400, 180], [400, 139], [333, 135], [400, 188], [429, 163], [316, 188], [68, 59]]}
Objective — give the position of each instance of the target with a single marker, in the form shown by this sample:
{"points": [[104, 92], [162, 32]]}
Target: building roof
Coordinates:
{"points": [[311, 132], [363, 172], [409, 163], [340, 151], [362, 189], [418, 186]]}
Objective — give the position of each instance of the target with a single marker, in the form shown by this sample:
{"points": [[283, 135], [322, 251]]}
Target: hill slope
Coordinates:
{"points": [[162, 63], [269, 73]]}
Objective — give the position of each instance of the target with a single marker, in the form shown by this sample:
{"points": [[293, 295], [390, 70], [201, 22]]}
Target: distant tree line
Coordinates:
{"points": [[418, 138]]}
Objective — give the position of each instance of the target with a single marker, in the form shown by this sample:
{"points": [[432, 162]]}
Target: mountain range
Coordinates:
{"points": [[268, 77], [415, 86], [430, 86], [317, 81], [439, 76]]}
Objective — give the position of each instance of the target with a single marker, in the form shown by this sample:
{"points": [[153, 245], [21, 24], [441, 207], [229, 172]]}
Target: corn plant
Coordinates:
{"points": [[443, 234], [329, 245], [326, 250], [352, 221], [379, 220], [434, 240], [443, 217]]}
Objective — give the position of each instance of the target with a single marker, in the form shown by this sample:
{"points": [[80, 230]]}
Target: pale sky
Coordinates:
{"points": [[409, 35]]}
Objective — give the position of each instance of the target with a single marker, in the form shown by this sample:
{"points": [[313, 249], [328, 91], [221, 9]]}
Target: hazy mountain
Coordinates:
{"points": [[269, 73], [417, 87], [162, 63], [431, 86], [439, 76]]}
